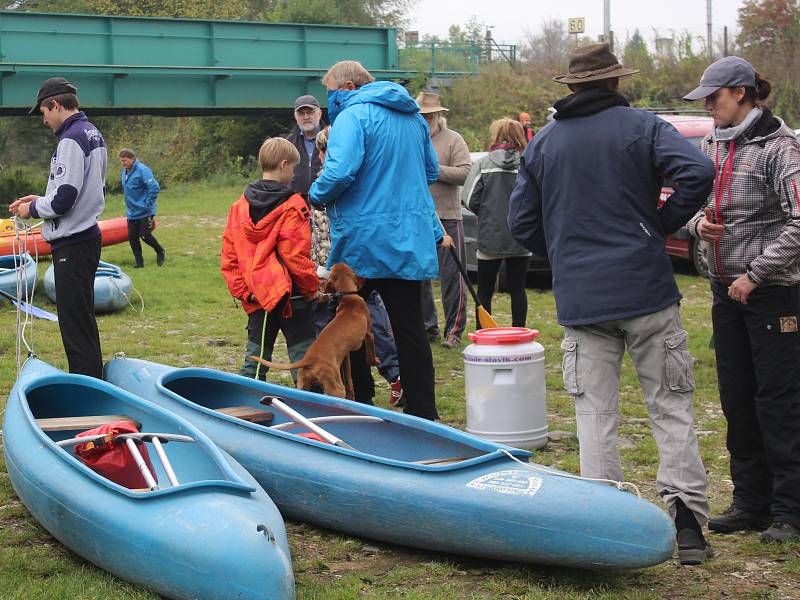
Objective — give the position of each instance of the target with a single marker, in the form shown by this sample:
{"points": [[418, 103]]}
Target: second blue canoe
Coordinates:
{"points": [[405, 480]]}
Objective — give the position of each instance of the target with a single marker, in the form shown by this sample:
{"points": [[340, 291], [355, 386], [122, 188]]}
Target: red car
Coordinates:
{"points": [[680, 244]]}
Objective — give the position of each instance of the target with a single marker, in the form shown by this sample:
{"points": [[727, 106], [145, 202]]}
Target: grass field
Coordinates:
{"points": [[189, 319]]}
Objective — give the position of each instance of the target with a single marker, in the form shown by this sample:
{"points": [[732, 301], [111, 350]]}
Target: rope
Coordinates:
{"points": [[20, 252], [261, 349], [127, 297], [620, 485]]}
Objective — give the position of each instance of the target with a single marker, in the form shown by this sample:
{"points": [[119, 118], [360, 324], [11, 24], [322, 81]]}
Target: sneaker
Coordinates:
{"points": [[781, 532], [736, 519], [138, 266], [160, 258], [693, 549], [451, 342], [433, 335], [396, 397]]}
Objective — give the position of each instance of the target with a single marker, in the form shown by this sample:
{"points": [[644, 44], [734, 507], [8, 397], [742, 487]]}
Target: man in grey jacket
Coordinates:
{"points": [[73, 200]]}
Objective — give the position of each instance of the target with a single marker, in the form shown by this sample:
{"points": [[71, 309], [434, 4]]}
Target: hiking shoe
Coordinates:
{"points": [[693, 549], [160, 258], [396, 397], [451, 342], [736, 519], [781, 532]]}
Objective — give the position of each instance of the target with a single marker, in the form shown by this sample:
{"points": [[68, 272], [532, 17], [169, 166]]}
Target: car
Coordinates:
{"points": [[681, 244], [537, 264]]}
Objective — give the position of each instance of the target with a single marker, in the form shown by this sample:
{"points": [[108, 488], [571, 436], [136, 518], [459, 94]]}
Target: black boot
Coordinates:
{"points": [[781, 532], [735, 519], [160, 256], [693, 549]]}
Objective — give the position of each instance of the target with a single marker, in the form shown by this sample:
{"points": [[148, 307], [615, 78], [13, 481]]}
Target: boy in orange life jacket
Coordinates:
{"points": [[266, 259]]}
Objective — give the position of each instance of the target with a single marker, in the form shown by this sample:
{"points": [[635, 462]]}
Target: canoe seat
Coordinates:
{"points": [[248, 413], [82, 423], [440, 461]]}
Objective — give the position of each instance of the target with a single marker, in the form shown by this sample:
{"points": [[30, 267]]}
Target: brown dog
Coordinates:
{"points": [[320, 370]]}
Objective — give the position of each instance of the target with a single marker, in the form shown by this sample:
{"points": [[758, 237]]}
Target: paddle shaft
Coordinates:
{"points": [[485, 319], [298, 418]]}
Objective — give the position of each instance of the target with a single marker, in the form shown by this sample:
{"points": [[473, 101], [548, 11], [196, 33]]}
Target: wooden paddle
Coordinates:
{"points": [[484, 318]]}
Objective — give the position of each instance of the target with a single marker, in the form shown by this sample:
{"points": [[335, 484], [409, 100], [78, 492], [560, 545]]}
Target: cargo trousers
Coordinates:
{"points": [[657, 344]]}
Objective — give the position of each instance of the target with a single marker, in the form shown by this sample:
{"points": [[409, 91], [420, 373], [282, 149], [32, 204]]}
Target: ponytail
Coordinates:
{"points": [[759, 93]]}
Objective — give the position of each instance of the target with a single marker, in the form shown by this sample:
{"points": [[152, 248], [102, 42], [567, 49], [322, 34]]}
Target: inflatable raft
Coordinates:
{"points": [[12, 267], [205, 530], [113, 231], [112, 287], [380, 474]]}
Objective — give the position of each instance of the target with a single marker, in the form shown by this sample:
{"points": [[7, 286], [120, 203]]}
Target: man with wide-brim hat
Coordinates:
{"points": [[454, 166], [587, 194]]}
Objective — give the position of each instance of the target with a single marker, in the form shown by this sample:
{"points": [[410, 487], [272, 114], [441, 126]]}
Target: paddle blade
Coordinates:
{"points": [[485, 319], [29, 308]]}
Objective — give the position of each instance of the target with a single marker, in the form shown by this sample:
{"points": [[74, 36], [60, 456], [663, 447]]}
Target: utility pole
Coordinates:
{"points": [[725, 41], [607, 23], [710, 32]]}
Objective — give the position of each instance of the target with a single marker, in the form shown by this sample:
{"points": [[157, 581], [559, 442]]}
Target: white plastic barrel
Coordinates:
{"points": [[505, 387]]}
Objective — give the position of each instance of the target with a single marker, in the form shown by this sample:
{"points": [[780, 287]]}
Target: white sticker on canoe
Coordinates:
{"points": [[519, 483]]}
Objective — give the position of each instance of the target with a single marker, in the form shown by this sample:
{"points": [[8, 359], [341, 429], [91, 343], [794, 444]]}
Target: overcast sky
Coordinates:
{"points": [[512, 18]]}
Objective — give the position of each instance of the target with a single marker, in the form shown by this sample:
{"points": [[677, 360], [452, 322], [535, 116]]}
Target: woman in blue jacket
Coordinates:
{"points": [[141, 192]]}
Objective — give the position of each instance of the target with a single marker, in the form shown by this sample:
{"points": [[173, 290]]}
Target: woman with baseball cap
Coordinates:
{"points": [[751, 224]]}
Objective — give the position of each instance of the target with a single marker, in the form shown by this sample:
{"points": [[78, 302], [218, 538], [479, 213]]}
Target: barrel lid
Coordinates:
{"points": [[504, 335]]}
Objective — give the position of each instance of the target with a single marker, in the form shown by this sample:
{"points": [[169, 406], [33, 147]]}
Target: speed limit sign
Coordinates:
{"points": [[577, 25]]}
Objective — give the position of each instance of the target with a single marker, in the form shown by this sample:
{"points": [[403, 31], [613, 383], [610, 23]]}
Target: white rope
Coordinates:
{"points": [[127, 297], [620, 485], [19, 250]]}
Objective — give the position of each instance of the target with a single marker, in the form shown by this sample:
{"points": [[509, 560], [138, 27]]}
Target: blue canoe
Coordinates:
{"points": [[112, 287], [215, 535], [15, 266], [406, 480]]}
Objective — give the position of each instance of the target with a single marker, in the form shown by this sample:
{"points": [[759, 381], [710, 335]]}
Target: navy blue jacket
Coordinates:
{"points": [[587, 194]]}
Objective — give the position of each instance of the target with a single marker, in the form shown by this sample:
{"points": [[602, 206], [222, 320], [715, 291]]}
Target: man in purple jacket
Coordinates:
{"points": [[74, 199]]}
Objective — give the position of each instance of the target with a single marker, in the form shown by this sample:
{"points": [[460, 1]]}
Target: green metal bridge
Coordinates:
{"points": [[137, 65]]}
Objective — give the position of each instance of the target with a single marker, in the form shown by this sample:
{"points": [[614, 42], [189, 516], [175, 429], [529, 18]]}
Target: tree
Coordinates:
{"points": [[766, 24], [548, 47]]}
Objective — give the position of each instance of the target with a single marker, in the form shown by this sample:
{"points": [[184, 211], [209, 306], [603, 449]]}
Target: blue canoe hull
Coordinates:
{"points": [[215, 536], [13, 266], [112, 288], [487, 504]]}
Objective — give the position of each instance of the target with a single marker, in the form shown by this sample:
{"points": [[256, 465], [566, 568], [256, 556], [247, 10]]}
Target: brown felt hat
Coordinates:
{"points": [[428, 102], [592, 63]]}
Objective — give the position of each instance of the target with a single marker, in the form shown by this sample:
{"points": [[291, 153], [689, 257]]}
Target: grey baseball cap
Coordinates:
{"points": [[730, 71], [304, 101]]}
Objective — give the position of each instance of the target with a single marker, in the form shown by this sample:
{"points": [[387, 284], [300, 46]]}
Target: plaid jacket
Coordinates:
{"points": [[269, 258], [757, 198]]}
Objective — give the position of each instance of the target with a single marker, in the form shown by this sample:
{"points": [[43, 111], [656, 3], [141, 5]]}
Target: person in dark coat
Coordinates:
{"points": [[308, 118], [486, 193], [587, 194]]}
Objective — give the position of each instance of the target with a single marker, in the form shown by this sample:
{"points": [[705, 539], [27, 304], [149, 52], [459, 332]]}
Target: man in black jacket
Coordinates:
{"points": [[587, 194], [308, 115]]}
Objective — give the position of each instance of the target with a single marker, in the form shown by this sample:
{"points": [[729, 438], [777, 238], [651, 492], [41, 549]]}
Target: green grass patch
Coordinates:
{"points": [[189, 319]]}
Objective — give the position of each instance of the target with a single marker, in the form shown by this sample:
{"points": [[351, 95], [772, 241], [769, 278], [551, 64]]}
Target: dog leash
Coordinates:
{"points": [[330, 295]]}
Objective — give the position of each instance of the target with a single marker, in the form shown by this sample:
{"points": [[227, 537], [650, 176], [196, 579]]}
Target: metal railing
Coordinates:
{"points": [[437, 58]]}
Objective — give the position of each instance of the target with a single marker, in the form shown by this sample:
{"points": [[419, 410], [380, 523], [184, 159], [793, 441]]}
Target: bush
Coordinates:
{"points": [[16, 182]]}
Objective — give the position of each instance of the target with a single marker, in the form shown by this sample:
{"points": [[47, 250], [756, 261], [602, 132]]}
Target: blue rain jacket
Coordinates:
{"points": [[374, 185], [141, 191]]}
